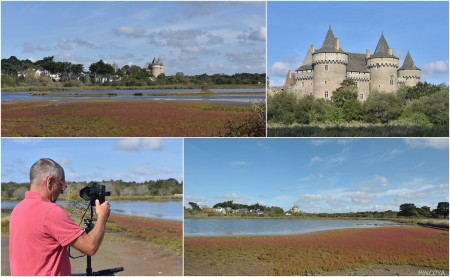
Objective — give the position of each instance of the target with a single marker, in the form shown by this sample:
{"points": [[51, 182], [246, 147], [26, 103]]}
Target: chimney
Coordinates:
{"points": [[337, 43], [367, 53], [390, 51]]}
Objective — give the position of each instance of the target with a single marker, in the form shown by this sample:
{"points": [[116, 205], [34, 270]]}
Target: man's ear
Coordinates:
{"points": [[49, 183]]}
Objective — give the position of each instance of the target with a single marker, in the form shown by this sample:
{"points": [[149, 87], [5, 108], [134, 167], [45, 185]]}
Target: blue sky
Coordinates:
{"points": [[318, 175], [190, 37], [97, 159], [420, 27]]}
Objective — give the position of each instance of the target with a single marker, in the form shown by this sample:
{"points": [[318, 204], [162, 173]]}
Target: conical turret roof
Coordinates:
{"points": [[307, 62], [408, 64], [382, 50], [329, 44]]}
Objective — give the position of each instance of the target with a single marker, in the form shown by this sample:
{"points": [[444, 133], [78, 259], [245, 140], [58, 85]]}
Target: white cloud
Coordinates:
{"points": [[314, 160], [128, 144], [344, 141], [65, 163], [19, 161], [316, 197], [318, 142], [405, 196], [436, 143], [434, 68], [153, 143], [362, 197], [136, 144], [279, 69], [27, 141], [262, 145], [201, 201], [135, 32], [64, 43], [142, 170], [30, 48], [235, 197], [249, 36]]}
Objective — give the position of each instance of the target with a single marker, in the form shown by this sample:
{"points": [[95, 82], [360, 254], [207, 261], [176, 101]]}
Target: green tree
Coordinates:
{"points": [[383, 107], [194, 206], [408, 209], [424, 211], [346, 92], [441, 209]]}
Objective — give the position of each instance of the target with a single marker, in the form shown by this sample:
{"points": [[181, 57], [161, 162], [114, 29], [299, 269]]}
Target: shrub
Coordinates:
{"points": [[382, 107]]}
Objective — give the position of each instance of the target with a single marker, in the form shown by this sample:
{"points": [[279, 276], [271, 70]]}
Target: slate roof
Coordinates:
{"points": [[382, 50], [408, 64], [307, 61], [357, 62], [328, 44]]}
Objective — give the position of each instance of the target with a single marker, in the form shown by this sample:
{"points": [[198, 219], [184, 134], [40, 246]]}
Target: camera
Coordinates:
{"points": [[94, 192]]}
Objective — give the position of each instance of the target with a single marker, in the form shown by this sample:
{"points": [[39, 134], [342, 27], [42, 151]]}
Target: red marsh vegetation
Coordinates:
{"points": [[118, 118], [316, 252], [166, 234]]}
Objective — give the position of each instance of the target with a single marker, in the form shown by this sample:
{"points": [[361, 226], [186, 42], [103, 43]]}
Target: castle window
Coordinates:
{"points": [[361, 96], [325, 82], [325, 94], [356, 84], [303, 84], [391, 81], [326, 67]]}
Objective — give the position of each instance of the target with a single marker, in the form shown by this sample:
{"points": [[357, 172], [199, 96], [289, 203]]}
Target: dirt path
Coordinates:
{"points": [[385, 270], [137, 259]]}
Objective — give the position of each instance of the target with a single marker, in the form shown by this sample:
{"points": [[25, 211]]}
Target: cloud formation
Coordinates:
{"points": [[436, 143], [136, 144], [30, 48], [134, 32]]}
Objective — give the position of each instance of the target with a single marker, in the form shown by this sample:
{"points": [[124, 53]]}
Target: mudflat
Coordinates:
{"points": [[118, 251]]}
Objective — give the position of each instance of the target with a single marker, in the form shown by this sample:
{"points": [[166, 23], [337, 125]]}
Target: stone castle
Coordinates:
{"points": [[324, 69], [156, 67]]}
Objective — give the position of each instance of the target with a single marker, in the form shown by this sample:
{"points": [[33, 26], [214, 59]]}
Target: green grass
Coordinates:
{"points": [[355, 130]]}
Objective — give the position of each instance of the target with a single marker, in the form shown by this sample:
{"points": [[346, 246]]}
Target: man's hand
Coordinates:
{"points": [[102, 210]]}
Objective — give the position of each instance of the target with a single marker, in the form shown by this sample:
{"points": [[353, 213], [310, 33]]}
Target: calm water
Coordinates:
{"points": [[243, 95], [256, 227], [168, 210]]}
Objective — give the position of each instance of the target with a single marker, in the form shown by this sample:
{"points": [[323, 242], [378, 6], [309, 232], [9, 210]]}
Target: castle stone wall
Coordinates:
{"points": [[362, 80], [412, 77], [383, 73], [329, 72]]}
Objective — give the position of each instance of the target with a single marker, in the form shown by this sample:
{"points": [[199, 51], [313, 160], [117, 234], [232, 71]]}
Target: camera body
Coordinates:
{"points": [[94, 192]]}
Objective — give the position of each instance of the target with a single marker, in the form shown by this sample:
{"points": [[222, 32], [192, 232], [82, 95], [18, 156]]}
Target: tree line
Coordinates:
{"points": [[424, 104], [166, 187], [405, 210], [100, 73]]}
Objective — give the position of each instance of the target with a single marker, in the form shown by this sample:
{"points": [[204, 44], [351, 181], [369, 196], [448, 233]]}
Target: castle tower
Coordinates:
{"points": [[304, 75], [383, 68], [409, 72], [329, 65], [156, 67]]}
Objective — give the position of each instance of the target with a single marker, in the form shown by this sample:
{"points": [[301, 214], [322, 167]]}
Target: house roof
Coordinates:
{"points": [[328, 45], [357, 62], [408, 64], [307, 61], [382, 50]]}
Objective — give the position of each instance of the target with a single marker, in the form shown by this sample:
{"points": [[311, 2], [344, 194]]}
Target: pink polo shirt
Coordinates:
{"points": [[39, 233]]}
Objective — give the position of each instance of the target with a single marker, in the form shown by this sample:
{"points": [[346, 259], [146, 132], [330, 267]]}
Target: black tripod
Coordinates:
{"points": [[105, 272]]}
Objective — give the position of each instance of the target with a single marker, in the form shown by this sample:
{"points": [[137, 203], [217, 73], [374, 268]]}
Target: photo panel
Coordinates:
{"points": [[316, 206], [139, 179]]}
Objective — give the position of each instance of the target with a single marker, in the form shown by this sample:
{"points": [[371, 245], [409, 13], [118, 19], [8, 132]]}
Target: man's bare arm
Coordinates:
{"points": [[89, 243]]}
